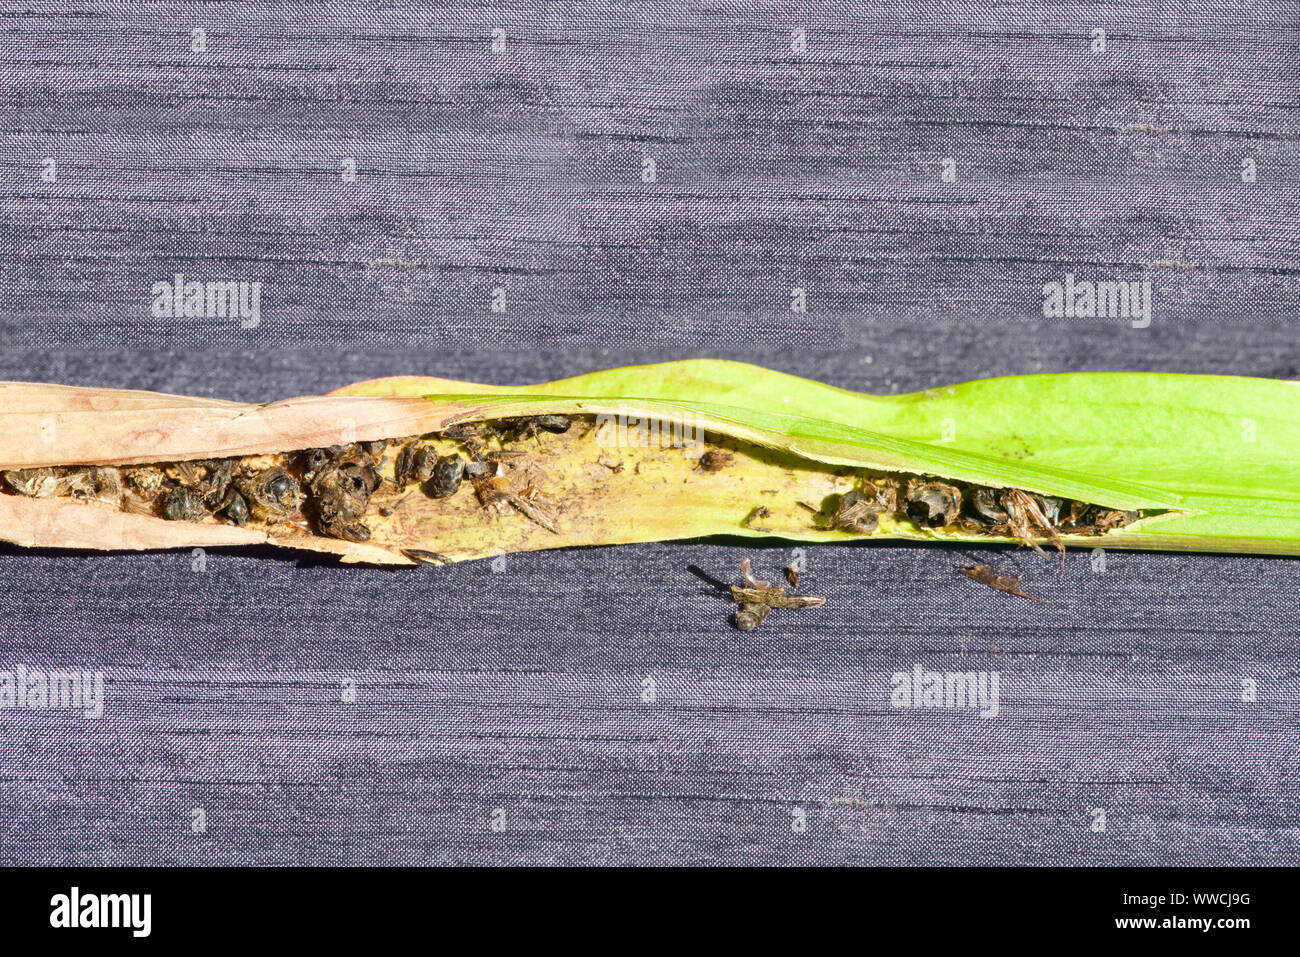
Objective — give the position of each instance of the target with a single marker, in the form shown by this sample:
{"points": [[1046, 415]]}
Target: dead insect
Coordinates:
{"points": [[756, 598], [493, 492], [1051, 508], [792, 575], [1007, 583], [106, 484], [211, 477], [404, 465], [374, 449], [236, 509], [539, 506], [528, 426], [885, 493], [415, 463], [424, 557], [363, 472], [854, 512], [557, 424], [272, 494], [497, 493], [102, 483], [1104, 520], [715, 460], [1075, 518], [756, 513], [146, 480], [340, 497], [220, 494], [1024, 515], [216, 483], [481, 468], [462, 430], [183, 504], [445, 476], [310, 462], [38, 482], [485, 464], [932, 504], [187, 473], [985, 502]]}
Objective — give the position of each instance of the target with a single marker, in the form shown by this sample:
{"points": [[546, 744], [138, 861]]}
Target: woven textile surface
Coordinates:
{"points": [[526, 191]]}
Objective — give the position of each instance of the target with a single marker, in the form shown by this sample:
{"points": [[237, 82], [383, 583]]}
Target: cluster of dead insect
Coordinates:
{"points": [[91, 483], [182, 491], [932, 503], [441, 476], [329, 488], [334, 484]]}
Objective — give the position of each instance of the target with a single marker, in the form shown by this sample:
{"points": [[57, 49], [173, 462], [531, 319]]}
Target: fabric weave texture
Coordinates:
{"points": [[646, 182]]}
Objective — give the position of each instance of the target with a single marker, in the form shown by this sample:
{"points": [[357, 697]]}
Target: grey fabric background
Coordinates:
{"points": [[519, 688]]}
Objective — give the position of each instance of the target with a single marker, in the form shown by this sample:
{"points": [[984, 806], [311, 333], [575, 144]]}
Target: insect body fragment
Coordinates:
{"points": [[756, 598], [1007, 583]]}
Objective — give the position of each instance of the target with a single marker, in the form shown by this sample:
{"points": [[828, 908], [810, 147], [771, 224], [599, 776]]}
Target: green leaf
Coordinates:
{"points": [[1218, 452]]}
